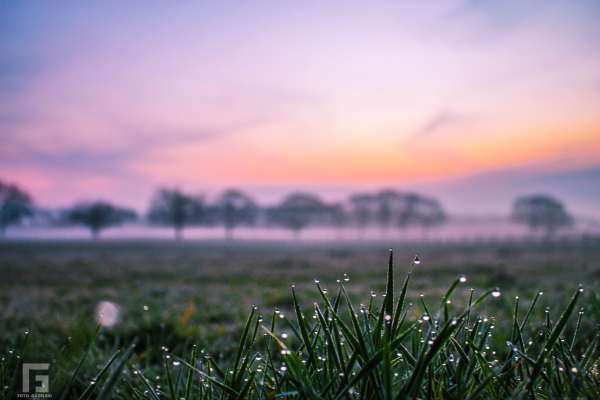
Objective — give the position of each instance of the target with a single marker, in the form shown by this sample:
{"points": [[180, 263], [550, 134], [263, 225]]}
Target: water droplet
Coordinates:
{"points": [[574, 370], [462, 279], [284, 335], [425, 317], [416, 260], [496, 293], [146, 308], [387, 317], [346, 278], [317, 281], [176, 363]]}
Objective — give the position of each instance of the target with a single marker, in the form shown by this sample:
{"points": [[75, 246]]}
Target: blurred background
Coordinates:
{"points": [[408, 121], [184, 160]]}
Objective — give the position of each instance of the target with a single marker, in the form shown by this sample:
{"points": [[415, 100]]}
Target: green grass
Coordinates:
{"points": [[462, 341]]}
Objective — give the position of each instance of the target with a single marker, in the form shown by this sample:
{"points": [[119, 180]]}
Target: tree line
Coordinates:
{"points": [[386, 209]]}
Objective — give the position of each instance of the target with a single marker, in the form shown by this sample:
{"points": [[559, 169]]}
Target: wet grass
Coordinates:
{"points": [[183, 307]]}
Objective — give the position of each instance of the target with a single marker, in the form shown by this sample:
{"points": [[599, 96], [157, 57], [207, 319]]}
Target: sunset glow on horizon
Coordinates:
{"points": [[110, 98]]}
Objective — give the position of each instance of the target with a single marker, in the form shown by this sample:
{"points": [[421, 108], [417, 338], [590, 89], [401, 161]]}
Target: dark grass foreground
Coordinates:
{"points": [[387, 349]]}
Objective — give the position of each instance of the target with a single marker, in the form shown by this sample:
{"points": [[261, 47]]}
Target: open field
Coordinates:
{"points": [[174, 294], [53, 287]]}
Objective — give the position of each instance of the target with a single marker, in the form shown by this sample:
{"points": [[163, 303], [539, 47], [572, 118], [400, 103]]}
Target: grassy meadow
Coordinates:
{"points": [[192, 299]]}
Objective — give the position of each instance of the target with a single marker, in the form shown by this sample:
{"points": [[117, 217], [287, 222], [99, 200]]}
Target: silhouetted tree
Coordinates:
{"points": [[430, 213], [390, 204], [419, 210], [297, 211], [15, 204], [171, 207], [99, 215], [363, 209], [338, 218], [541, 212], [236, 209]]}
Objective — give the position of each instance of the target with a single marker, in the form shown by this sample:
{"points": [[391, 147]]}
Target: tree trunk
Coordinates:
{"points": [[178, 234]]}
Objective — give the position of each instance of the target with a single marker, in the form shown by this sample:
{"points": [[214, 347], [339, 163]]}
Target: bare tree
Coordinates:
{"points": [[171, 207], [99, 215], [15, 204], [541, 212], [236, 209]]}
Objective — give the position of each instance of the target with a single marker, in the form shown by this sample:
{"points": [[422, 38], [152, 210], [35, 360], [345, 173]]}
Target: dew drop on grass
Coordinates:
{"points": [[387, 317], [416, 260], [496, 293], [146, 308], [462, 279], [425, 317], [284, 335], [317, 281], [346, 278], [176, 363]]}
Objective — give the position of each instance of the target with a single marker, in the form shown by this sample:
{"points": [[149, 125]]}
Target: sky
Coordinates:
{"points": [[113, 99]]}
